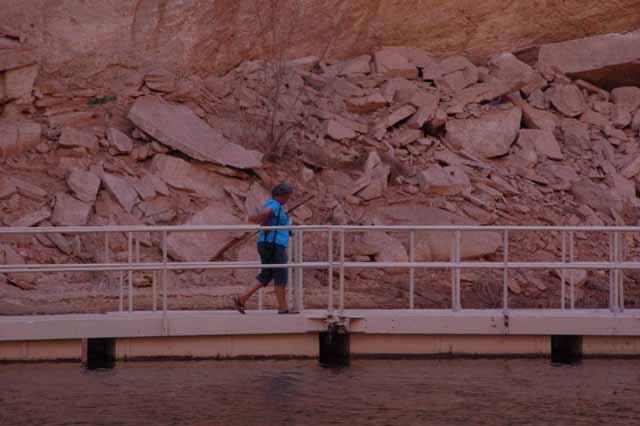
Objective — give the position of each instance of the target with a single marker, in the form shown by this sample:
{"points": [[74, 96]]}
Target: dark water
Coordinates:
{"points": [[369, 392]]}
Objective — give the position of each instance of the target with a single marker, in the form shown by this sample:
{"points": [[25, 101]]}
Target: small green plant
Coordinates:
{"points": [[101, 100]]}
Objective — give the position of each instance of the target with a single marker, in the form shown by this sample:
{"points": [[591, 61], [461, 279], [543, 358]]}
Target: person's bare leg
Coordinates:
{"points": [[280, 297], [247, 294]]}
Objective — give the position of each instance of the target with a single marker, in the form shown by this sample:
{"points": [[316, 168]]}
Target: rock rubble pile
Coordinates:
{"points": [[395, 137]]}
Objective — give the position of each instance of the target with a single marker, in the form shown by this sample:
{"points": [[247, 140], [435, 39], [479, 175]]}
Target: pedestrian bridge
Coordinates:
{"points": [[163, 332]]}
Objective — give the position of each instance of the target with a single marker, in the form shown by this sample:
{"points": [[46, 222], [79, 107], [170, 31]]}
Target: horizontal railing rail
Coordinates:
{"points": [[615, 265]]}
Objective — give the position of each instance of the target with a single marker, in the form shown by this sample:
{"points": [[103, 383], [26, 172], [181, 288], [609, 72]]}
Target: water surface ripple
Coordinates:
{"points": [[369, 392]]}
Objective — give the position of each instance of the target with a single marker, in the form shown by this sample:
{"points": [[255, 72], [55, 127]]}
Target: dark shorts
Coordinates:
{"points": [[275, 257]]}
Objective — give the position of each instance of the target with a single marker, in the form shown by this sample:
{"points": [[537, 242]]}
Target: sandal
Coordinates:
{"points": [[239, 306]]}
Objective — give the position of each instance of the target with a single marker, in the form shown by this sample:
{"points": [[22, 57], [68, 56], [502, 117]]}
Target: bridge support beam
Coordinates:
{"points": [[335, 345], [566, 349], [99, 353]]}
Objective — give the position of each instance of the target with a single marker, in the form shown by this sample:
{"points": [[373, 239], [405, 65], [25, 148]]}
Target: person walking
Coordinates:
{"points": [[272, 248]]}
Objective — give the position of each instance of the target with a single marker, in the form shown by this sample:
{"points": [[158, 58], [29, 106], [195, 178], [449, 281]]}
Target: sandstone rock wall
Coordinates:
{"points": [[96, 41]]}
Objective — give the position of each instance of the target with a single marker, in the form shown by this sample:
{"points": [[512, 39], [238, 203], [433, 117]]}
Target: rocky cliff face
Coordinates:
{"points": [[95, 41], [127, 113]]}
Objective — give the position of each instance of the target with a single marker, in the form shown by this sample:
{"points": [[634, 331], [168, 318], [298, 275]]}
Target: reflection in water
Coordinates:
{"points": [[369, 392]]}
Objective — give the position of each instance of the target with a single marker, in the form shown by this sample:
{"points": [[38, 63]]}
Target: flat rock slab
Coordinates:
{"points": [[542, 142], [178, 127], [392, 64], [69, 211], [119, 141], [608, 61], [203, 246], [84, 185], [32, 218], [596, 196], [448, 180], [122, 190], [71, 138], [187, 176]]}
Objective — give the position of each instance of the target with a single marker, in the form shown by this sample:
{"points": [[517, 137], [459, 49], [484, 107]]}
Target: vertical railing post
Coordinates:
{"points": [[505, 273], [291, 259], [260, 298], [572, 275], [412, 259], [154, 291], [130, 250], [611, 272], [106, 247], [621, 276], [106, 257], [457, 271], [330, 258], [616, 273], [452, 260], [341, 272], [165, 319], [121, 293], [299, 272], [563, 271], [137, 238]]}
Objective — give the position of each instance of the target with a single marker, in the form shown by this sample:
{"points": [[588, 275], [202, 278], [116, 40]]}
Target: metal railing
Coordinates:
{"points": [[615, 264]]}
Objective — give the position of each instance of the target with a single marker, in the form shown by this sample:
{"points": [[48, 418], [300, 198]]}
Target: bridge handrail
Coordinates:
{"points": [[335, 228], [616, 263]]}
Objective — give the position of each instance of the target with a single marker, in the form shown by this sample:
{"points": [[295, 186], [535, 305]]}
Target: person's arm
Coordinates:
{"points": [[263, 217]]}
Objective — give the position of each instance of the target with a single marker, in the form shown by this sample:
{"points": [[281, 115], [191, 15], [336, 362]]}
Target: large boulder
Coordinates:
{"points": [[179, 128], [69, 211], [489, 136], [626, 97], [535, 118], [436, 245], [399, 90], [187, 176], [203, 246], [506, 67], [567, 99], [382, 246], [122, 189], [121, 143], [74, 138], [457, 73], [449, 180], [366, 104], [607, 61], [338, 131], [576, 135], [542, 142], [392, 63], [596, 196], [84, 185], [357, 65]]}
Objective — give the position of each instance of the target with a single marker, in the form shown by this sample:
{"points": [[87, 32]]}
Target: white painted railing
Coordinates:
{"points": [[616, 264]]}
